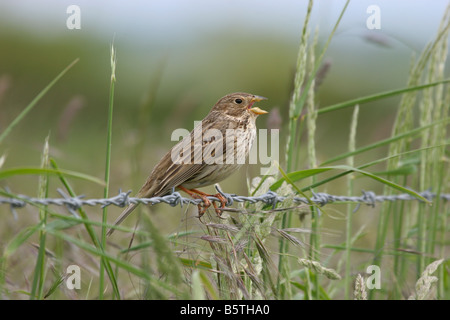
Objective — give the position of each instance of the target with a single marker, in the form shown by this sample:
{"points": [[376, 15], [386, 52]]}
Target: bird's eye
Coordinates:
{"points": [[238, 101]]}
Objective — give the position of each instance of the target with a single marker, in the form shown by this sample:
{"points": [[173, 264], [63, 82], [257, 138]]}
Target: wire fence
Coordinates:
{"points": [[173, 199]]}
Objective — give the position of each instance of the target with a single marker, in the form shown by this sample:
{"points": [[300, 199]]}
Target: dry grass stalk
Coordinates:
{"points": [[423, 285], [360, 288], [318, 268]]}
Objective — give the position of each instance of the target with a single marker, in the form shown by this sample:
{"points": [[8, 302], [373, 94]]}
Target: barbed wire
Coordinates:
{"points": [[173, 199]]}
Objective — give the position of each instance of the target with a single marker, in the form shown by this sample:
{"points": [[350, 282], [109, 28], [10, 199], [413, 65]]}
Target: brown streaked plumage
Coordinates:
{"points": [[206, 158]]}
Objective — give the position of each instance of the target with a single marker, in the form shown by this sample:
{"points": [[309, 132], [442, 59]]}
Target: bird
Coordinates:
{"points": [[215, 149]]}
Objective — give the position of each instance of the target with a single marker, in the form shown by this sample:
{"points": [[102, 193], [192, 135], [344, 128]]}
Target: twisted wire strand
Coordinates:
{"points": [[173, 199]]}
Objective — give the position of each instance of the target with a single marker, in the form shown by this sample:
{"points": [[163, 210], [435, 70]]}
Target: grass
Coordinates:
{"points": [[260, 253], [107, 175]]}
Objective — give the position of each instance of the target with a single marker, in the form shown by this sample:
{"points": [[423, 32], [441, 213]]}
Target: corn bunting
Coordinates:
{"points": [[216, 148]]}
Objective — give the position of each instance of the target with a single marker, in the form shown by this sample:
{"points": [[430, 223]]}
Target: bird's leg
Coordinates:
{"points": [[197, 194], [222, 199]]}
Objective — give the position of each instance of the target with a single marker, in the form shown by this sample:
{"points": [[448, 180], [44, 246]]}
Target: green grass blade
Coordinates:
{"points": [[38, 171], [55, 285], [37, 288], [298, 175], [402, 171], [297, 104], [90, 231], [108, 162], [197, 264], [20, 239], [369, 164], [388, 183], [119, 262], [378, 96], [350, 192], [31, 105], [198, 292], [381, 143], [299, 78], [147, 244], [312, 76]]}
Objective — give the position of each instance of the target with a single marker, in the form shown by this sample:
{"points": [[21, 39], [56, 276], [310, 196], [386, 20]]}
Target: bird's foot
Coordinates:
{"points": [[202, 207], [223, 202]]}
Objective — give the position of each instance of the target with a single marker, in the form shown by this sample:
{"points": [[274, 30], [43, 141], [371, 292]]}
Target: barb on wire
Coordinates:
{"points": [[123, 199]]}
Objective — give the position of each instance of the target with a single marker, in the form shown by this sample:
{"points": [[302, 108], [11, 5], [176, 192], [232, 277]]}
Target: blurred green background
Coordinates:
{"points": [[175, 59]]}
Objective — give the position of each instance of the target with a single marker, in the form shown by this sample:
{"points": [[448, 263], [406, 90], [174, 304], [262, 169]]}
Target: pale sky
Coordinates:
{"points": [[181, 20]]}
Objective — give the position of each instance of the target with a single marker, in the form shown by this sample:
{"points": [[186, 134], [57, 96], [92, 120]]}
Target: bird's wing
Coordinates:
{"points": [[167, 174], [185, 160]]}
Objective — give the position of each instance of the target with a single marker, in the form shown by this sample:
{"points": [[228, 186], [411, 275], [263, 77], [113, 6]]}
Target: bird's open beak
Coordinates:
{"points": [[257, 110]]}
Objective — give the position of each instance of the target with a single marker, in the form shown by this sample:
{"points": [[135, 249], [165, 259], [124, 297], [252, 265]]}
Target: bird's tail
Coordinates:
{"points": [[122, 217]]}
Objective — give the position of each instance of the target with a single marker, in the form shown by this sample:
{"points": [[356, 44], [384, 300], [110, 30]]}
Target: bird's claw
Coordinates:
{"points": [[202, 207]]}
